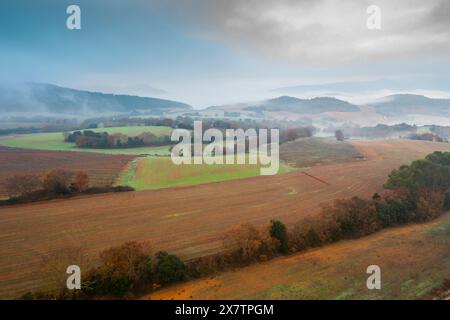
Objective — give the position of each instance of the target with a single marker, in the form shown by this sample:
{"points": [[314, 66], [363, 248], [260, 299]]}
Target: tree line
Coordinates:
{"points": [[56, 183], [413, 193], [101, 140]]}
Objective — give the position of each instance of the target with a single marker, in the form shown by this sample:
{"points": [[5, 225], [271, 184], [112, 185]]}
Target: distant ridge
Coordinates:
{"points": [[295, 105], [43, 97], [401, 104]]}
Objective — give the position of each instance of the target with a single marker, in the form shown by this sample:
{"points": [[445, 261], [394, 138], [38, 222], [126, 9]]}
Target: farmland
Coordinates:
{"points": [[102, 169], [160, 172], [314, 151], [55, 141], [413, 259], [188, 221]]}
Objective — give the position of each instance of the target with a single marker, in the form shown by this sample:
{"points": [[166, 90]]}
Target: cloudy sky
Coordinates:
{"points": [[209, 52]]}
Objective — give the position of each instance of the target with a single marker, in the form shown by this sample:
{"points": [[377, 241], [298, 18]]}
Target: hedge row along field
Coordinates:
{"points": [[180, 220], [102, 169], [413, 193], [55, 141]]}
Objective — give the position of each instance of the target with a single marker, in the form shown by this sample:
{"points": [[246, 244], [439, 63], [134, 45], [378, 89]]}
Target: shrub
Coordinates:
{"points": [[22, 185], [81, 183], [245, 243], [124, 268], [312, 238], [58, 181], [169, 268], [278, 231], [355, 217]]}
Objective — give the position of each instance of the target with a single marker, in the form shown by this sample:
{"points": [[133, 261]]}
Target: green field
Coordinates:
{"points": [[55, 142], [159, 172]]}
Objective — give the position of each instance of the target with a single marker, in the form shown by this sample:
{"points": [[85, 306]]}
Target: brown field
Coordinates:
{"points": [[102, 169], [317, 151], [414, 260], [188, 221]]}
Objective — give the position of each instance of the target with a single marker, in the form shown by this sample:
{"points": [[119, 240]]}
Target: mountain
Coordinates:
{"points": [[41, 97], [404, 104]]}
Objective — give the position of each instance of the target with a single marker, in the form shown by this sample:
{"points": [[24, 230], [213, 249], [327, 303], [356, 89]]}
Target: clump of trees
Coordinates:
{"points": [[246, 243], [22, 185], [426, 137], [103, 140], [169, 268], [415, 193], [292, 134], [123, 271], [55, 183]]}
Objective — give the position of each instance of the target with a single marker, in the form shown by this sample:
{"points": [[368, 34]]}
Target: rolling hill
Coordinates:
{"points": [[48, 98], [294, 105], [191, 226], [401, 104]]}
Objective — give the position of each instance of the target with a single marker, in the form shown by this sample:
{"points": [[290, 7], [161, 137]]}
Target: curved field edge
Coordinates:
{"points": [[54, 141], [179, 220], [150, 173], [103, 169], [414, 260]]}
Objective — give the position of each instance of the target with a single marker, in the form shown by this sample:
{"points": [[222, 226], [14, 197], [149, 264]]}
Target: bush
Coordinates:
{"points": [[123, 269], [245, 243], [169, 268], [355, 217], [312, 238], [22, 185], [81, 183], [58, 181], [394, 211], [278, 231]]}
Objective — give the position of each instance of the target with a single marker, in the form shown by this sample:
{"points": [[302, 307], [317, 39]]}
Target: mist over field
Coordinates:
{"points": [[224, 149]]}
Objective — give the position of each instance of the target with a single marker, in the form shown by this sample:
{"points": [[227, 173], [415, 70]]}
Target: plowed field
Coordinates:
{"points": [[188, 221], [102, 169]]}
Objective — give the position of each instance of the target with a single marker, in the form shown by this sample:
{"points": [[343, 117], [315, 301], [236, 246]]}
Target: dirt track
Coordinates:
{"points": [[188, 221]]}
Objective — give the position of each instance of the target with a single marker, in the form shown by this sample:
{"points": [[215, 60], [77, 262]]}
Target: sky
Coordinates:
{"points": [[214, 52]]}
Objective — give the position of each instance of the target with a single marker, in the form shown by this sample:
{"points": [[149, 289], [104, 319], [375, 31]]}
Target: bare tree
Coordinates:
{"points": [[21, 185]]}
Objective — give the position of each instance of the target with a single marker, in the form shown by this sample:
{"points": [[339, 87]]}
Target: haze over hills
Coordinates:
{"points": [[48, 98], [396, 108], [294, 105], [401, 104], [306, 106], [43, 99]]}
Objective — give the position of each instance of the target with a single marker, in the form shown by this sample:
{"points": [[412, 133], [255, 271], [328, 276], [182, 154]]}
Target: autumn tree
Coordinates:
{"points": [[243, 241], [122, 269], [22, 185], [58, 181], [81, 181]]}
